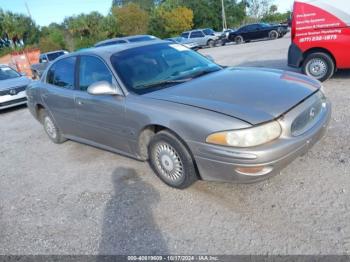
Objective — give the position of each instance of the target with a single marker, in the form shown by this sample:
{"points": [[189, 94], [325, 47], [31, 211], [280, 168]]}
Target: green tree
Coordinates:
{"points": [[52, 38], [208, 13], [86, 29], [20, 26], [147, 5], [131, 19], [166, 22]]}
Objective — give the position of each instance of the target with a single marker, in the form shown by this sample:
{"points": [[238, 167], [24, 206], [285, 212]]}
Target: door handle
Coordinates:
{"points": [[79, 102]]}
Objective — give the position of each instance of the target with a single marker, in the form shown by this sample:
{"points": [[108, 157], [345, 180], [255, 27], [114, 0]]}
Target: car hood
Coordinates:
{"points": [[14, 82], [254, 95]]}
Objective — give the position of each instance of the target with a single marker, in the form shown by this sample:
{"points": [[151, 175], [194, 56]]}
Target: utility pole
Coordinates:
{"points": [[224, 24], [25, 3]]}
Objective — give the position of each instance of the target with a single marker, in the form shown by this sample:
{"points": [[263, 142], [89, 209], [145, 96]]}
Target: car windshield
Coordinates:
{"points": [[53, 56], [209, 31], [179, 39], [8, 73], [149, 68]]}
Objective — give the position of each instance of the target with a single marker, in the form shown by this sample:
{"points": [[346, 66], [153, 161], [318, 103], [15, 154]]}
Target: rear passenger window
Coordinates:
{"points": [[61, 73], [196, 34], [92, 70]]}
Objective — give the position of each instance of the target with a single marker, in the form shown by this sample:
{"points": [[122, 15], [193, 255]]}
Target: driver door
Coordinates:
{"points": [[101, 117]]}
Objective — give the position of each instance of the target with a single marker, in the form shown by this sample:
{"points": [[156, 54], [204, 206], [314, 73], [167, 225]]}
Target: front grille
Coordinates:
{"points": [[12, 91], [307, 119], [15, 101]]}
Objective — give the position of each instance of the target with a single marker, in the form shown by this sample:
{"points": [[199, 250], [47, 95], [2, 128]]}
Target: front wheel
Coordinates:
{"points": [[319, 65], [171, 160], [211, 43]]}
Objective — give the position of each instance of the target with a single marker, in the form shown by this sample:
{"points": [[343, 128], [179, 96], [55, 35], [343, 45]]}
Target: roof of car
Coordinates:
{"points": [[199, 29], [51, 52], [126, 38], [106, 51]]}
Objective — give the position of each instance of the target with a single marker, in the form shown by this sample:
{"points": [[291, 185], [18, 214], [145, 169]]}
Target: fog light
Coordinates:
{"points": [[254, 171]]}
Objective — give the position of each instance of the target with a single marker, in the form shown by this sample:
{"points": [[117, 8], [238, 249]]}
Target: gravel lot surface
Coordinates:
{"points": [[76, 199]]}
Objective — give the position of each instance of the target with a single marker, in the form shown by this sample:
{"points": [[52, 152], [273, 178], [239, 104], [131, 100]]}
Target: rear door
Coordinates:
{"points": [[59, 94], [101, 117], [253, 32], [198, 37], [263, 30]]}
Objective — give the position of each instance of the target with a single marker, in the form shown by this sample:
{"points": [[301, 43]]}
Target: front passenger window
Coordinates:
{"points": [[92, 70]]}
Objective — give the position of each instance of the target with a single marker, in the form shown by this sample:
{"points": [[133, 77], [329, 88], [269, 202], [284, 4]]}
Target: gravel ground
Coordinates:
{"points": [[76, 199]]}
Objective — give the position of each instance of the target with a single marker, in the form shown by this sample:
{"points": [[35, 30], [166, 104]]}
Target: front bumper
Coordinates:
{"points": [[217, 163], [8, 101]]}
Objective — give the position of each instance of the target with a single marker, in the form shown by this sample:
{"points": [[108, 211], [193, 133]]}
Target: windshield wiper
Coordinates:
{"points": [[164, 82], [203, 72]]}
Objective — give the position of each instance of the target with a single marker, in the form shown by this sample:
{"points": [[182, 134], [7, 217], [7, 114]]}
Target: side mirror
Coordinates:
{"points": [[43, 60], [103, 88], [210, 58]]}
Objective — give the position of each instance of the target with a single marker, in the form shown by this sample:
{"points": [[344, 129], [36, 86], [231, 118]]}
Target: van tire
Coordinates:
{"points": [[319, 65]]}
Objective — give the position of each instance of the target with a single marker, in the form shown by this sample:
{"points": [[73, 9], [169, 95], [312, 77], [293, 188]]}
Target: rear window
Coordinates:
{"points": [[209, 31], [53, 56]]}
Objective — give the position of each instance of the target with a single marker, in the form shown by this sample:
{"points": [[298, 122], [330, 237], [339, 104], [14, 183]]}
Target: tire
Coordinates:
{"points": [[51, 129], [211, 43], [171, 160], [273, 35], [36, 75], [239, 39], [319, 65], [218, 43]]}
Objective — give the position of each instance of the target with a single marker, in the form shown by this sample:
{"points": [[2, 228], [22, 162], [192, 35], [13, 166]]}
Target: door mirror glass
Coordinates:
{"points": [[103, 88]]}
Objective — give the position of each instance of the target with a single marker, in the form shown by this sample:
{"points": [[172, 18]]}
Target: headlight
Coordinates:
{"points": [[249, 137]]}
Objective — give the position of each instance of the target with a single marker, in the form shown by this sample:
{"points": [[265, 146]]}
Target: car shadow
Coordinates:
{"points": [[128, 224], [342, 74]]}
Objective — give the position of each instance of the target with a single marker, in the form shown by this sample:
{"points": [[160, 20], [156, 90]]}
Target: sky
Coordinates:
{"points": [[45, 12]]}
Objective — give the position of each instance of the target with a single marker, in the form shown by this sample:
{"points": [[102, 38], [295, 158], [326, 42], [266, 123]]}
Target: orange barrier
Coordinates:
{"points": [[22, 60]]}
